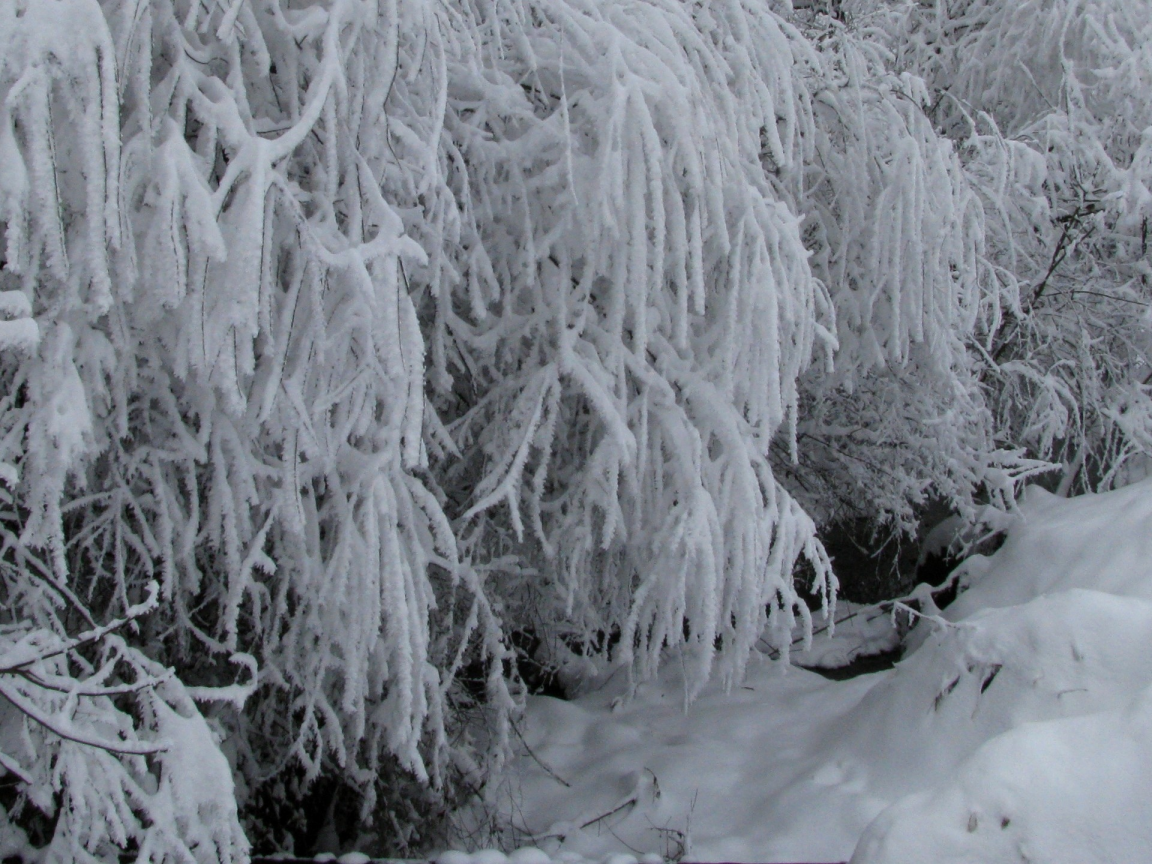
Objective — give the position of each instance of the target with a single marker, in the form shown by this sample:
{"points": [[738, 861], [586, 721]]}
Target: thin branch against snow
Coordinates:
{"points": [[63, 727], [20, 658]]}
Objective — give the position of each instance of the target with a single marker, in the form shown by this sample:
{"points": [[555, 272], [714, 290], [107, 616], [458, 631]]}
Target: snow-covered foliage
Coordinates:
{"points": [[228, 371], [102, 748], [1049, 104], [105, 747], [373, 330], [639, 307], [897, 233]]}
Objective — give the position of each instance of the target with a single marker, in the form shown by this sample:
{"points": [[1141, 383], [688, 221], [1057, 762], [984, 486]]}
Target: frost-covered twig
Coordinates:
{"points": [[65, 729], [26, 655]]}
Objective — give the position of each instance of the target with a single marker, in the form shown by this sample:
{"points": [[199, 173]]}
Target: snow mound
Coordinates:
{"points": [[1069, 791], [1100, 542], [1021, 710], [1057, 656], [532, 855]]}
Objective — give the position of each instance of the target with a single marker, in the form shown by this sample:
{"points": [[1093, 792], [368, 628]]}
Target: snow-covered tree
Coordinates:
{"points": [[897, 232], [1049, 104], [103, 750], [370, 331], [225, 398]]}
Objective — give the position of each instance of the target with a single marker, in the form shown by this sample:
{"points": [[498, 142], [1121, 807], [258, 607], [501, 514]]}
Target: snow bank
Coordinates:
{"points": [[1031, 711], [532, 855], [1099, 542], [739, 776], [1057, 656], [1019, 728], [1070, 791]]}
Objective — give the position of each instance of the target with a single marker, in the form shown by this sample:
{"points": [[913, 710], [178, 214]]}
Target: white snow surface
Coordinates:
{"points": [[1017, 728]]}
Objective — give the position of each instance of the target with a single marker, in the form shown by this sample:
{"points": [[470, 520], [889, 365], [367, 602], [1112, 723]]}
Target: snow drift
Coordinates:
{"points": [[1018, 727], [1039, 736]]}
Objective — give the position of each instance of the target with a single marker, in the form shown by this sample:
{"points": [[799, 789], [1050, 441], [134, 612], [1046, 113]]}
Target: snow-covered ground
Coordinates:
{"points": [[1017, 728]]}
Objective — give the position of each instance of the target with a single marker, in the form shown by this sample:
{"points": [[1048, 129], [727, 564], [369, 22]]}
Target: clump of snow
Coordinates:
{"points": [[1017, 728], [529, 855], [196, 793], [17, 329]]}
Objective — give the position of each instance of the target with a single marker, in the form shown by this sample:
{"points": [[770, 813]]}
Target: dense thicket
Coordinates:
{"points": [[348, 345], [1055, 124]]}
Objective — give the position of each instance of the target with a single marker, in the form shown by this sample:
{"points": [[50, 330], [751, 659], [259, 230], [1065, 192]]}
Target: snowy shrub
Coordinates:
{"points": [[227, 394], [1048, 104], [372, 330], [104, 748], [624, 363], [638, 308], [897, 233]]}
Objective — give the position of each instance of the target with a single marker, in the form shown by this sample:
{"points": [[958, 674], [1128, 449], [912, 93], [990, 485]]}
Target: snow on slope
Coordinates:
{"points": [[1071, 791], [1062, 767], [1098, 542], [1019, 729]]}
